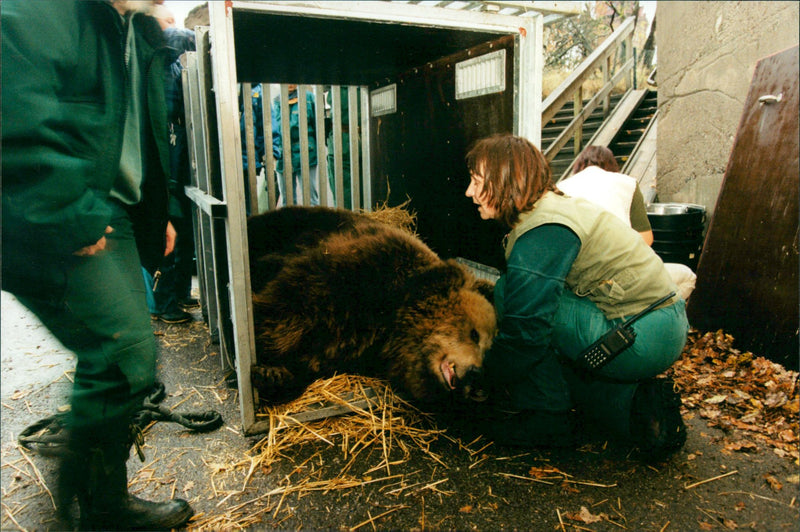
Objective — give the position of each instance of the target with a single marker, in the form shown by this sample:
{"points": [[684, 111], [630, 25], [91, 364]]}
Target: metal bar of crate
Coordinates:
{"points": [[333, 408], [288, 188], [269, 159], [338, 163], [305, 167], [250, 146], [355, 168], [322, 151]]}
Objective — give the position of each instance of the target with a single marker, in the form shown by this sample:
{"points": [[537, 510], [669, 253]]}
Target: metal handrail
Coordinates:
{"points": [[651, 79], [573, 85], [580, 117]]}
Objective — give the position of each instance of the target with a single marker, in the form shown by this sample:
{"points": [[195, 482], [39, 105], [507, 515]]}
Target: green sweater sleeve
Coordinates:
{"points": [[54, 124], [527, 297]]}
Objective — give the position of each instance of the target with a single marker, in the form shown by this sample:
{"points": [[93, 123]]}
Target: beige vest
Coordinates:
{"points": [[614, 268]]}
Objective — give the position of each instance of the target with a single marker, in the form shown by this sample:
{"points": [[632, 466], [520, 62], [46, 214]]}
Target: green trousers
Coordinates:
{"points": [[103, 319], [604, 397]]}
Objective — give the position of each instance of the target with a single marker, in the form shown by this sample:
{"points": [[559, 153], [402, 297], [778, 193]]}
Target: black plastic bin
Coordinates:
{"points": [[677, 231]]}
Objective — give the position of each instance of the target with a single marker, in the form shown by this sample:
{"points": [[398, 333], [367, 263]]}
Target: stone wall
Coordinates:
{"points": [[707, 53]]}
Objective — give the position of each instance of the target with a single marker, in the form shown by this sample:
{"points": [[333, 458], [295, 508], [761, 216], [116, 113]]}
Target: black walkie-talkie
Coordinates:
{"points": [[614, 341]]}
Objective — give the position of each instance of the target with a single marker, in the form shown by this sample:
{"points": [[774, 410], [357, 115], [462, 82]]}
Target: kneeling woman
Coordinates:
{"points": [[573, 272]]}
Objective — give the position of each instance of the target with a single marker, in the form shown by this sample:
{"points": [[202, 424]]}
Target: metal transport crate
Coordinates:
{"points": [[481, 271], [429, 81]]}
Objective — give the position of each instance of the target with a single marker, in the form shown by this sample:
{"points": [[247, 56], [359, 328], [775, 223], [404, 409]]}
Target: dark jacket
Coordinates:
{"points": [[294, 131], [179, 41], [63, 107]]}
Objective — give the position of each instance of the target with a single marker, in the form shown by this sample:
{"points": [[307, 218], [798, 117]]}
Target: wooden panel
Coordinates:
{"points": [[747, 277], [418, 153]]}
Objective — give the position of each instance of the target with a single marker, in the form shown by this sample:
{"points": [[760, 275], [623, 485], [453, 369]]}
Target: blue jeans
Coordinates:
{"points": [[297, 192], [605, 397], [660, 337]]}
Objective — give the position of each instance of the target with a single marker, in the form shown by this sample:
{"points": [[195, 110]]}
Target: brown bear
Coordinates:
{"points": [[340, 292]]}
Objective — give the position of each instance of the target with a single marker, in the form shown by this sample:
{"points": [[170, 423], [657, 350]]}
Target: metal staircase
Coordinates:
{"points": [[556, 125], [625, 122], [628, 137], [629, 131]]}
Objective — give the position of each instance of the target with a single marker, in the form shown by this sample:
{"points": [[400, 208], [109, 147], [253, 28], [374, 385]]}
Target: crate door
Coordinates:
{"points": [[423, 123], [747, 277], [205, 193], [217, 193]]}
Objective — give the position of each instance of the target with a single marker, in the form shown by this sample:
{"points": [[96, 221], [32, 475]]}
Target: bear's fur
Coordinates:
{"points": [[340, 292]]}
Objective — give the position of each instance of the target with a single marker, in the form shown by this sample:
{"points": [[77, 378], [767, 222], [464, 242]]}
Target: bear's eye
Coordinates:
{"points": [[475, 336]]}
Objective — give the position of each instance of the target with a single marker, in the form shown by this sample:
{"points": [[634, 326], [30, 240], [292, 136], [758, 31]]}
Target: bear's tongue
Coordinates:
{"points": [[448, 373]]}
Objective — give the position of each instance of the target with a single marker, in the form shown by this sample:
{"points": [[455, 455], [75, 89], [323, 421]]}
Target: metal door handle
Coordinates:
{"points": [[770, 98]]}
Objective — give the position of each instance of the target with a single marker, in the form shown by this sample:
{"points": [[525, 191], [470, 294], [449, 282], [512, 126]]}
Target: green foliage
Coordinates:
{"points": [[571, 39]]}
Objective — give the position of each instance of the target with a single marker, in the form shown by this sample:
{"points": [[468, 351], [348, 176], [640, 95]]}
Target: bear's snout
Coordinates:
{"points": [[473, 385]]}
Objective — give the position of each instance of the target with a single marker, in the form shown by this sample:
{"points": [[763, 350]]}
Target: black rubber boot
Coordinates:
{"points": [[174, 315], [71, 473], [94, 469], [105, 503], [657, 427]]}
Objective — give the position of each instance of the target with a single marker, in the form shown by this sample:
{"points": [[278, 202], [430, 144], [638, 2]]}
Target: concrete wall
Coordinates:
{"points": [[707, 53]]}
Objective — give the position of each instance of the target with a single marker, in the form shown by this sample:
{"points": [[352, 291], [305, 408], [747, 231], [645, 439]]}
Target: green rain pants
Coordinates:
{"points": [[103, 319], [605, 397]]}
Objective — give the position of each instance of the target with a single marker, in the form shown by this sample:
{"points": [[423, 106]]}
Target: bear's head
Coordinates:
{"points": [[446, 326]]}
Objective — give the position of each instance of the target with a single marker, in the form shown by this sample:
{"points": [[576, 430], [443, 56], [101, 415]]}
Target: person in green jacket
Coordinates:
{"points": [[290, 148], [85, 166], [574, 271]]}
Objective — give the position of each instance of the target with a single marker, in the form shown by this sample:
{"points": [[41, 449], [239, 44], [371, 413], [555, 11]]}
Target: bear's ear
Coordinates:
{"points": [[485, 288], [438, 279]]}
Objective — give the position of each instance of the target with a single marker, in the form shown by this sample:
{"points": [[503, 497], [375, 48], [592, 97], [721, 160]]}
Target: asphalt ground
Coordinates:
{"points": [[410, 474]]}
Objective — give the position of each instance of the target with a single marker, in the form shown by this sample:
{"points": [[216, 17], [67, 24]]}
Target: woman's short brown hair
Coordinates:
{"points": [[515, 174], [596, 156]]}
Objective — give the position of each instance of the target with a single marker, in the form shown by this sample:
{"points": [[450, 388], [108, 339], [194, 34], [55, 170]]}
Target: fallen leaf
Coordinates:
{"points": [[545, 472], [569, 488], [588, 517], [742, 446], [730, 524], [773, 482], [792, 407], [583, 516], [716, 399]]}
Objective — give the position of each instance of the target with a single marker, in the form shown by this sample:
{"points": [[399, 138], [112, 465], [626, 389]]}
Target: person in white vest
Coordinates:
{"points": [[596, 177]]}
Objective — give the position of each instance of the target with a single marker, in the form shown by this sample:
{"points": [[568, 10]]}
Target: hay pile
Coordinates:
{"points": [[379, 433], [398, 216], [385, 422]]}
